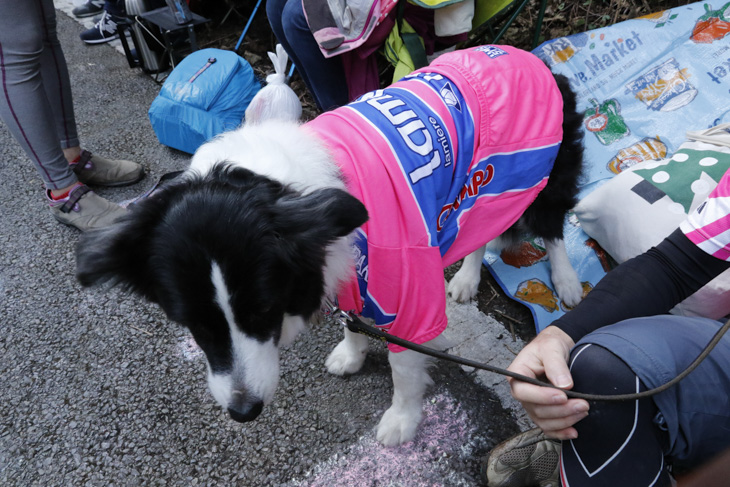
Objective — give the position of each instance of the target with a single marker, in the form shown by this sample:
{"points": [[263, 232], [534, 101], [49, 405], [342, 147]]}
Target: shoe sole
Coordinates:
{"points": [[101, 41], [117, 184], [529, 474], [523, 476], [70, 225], [86, 15]]}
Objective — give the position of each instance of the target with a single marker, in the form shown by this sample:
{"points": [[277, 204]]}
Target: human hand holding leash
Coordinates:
{"points": [[550, 409]]}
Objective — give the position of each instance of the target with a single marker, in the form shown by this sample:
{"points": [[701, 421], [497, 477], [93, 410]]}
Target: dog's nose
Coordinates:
{"points": [[246, 412]]}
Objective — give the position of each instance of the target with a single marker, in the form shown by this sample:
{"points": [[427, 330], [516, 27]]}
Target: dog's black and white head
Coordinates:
{"points": [[238, 258]]}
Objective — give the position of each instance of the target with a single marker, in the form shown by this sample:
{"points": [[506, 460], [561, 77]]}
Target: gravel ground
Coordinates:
{"points": [[100, 389]]}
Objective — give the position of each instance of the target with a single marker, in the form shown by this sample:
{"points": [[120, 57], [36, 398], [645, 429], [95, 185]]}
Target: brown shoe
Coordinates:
{"points": [[526, 460], [84, 209], [96, 170]]}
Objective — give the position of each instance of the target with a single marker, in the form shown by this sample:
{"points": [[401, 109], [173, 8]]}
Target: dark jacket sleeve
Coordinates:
{"points": [[649, 284]]}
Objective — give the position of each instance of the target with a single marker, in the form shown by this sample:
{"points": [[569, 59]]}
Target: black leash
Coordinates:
{"points": [[356, 325]]}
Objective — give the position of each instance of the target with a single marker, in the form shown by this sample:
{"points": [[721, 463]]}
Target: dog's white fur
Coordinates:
{"points": [[463, 286], [304, 163], [271, 143], [260, 358], [243, 379]]}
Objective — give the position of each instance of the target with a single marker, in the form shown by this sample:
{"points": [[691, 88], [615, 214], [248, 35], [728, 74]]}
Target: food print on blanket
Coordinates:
{"points": [[641, 85]]}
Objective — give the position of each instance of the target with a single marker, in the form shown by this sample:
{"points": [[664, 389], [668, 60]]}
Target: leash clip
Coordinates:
{"points": [[334, 315]]}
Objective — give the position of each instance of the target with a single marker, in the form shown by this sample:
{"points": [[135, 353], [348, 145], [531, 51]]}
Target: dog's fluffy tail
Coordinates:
{"points": [[276, 100]]}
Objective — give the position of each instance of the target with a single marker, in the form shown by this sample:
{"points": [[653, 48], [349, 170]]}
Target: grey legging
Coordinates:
{"points": [[35, 102]]}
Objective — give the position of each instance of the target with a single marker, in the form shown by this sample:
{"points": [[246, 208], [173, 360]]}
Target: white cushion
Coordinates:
{"points": [[639, 207]]}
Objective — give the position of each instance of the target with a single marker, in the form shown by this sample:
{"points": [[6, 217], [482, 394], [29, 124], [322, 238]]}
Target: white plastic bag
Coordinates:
{"points": [[276, 100]]}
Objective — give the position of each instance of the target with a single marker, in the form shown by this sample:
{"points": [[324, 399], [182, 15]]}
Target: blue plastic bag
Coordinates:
{"points": [[206, 94]]}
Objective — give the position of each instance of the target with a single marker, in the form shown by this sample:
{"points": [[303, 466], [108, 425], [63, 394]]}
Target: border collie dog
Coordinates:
{"points": [[365, 205]]}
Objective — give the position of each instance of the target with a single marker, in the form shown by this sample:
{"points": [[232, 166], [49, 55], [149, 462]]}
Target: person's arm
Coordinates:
{"points": [[649, 284]]}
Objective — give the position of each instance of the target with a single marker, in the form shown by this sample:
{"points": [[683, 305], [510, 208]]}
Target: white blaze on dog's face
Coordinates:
{"points": [[240, 260], [250, 382]]}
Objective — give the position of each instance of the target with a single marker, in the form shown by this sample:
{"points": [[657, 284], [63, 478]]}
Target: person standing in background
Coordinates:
{"points": [[36, 106]]}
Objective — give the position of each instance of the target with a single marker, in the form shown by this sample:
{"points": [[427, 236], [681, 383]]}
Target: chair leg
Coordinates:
{"points": [[122, 29], [248, 24], [486, 31], [231, 10], [507, 24], [538, 23]]}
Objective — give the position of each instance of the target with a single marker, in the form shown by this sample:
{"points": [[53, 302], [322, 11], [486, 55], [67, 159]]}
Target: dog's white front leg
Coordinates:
{"points": [[349, 355], [564, 277], [463, 286], [410, 379]]}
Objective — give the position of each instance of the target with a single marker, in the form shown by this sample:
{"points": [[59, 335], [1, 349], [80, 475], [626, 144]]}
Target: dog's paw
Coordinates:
{"points": [[571, 297], [397, 426], [345, 359], [568, 287], [463, 286]]}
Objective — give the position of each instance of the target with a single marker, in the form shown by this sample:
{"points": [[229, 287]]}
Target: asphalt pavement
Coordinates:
{"points": [[100, 389]]}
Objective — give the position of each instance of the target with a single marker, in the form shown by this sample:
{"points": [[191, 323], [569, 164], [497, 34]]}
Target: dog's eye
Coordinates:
{"points": [[277, 235], [259, 311]]}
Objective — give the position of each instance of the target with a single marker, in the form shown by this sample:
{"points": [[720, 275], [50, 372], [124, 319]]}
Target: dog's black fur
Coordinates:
{"points": [[164, 247], [264, 246], [545, 216]]}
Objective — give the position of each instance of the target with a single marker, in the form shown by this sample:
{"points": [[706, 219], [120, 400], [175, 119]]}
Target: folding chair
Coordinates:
{"points": [[248, 24], [492, 18], [245, 30]]}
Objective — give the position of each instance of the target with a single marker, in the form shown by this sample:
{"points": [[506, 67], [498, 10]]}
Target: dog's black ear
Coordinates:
{"points": [[324, 214], [120, 253], [305, 225]]}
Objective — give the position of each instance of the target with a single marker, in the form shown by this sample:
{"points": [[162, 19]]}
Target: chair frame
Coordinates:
{"points": [[494, 28]]}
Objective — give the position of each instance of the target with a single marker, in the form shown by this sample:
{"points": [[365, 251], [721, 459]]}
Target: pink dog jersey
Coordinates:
{"points": [[444, 160], [709, 225]]}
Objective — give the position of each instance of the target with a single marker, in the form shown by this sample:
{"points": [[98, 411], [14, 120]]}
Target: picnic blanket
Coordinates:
{"points": [[641, 84]]}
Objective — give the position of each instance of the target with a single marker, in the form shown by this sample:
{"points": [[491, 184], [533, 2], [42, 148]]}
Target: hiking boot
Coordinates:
{"points": [[96, 170], [84, 209], [526, 460], [91, 7], [104, 31]]}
